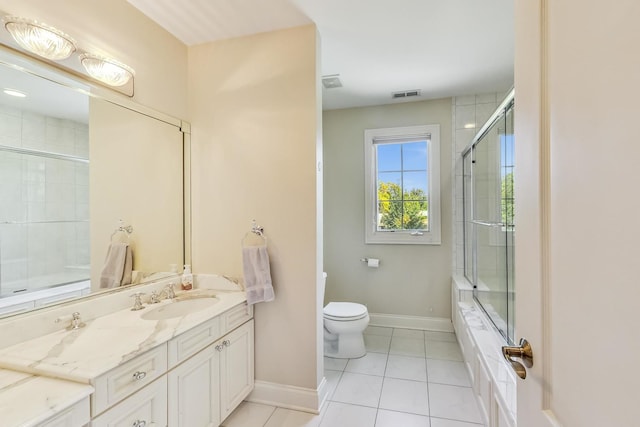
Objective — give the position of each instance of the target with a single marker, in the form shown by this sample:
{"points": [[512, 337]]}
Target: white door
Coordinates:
{"points": [[578, 211]]}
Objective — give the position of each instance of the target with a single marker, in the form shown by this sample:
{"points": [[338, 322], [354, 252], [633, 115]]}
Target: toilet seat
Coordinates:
{"points": [[345, 311]]}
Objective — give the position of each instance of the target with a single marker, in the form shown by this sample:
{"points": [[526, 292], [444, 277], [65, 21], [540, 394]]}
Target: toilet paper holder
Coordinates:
{"points": [[371, 262]]}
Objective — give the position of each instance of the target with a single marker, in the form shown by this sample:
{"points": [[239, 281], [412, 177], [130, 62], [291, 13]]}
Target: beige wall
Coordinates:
{"points": [[253, 106], [117, 29], [412, 279]]}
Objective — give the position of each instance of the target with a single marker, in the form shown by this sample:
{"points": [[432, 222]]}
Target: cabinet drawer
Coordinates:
{"points": [[236, 317], [147, 407], [76, 415], [189, 343], [124, 380]]}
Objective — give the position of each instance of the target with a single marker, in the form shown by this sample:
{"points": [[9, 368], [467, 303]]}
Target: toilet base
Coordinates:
{"points": [[344, 346]]}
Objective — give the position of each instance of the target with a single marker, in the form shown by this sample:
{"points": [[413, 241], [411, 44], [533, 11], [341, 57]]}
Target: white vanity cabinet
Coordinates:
{"points": [[193, 390], [236, 368], [206, 388], [145, 408], [76, 415], [194, 380]]}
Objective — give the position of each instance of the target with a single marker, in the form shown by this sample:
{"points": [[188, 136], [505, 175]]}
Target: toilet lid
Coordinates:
{"points": [[344, 310]]}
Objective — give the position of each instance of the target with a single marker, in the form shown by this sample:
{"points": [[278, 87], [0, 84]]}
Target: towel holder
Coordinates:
{"points": [[125, 229], [254, 237]]}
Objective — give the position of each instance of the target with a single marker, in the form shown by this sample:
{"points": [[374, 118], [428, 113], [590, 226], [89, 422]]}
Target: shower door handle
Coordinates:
{"points": [[523, 352]]}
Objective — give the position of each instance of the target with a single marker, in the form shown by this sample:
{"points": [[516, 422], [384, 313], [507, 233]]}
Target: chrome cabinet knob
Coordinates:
{"points": [[139, 375]]}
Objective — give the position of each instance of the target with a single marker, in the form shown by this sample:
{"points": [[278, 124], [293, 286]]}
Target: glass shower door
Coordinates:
{"points": [[489, 227]]}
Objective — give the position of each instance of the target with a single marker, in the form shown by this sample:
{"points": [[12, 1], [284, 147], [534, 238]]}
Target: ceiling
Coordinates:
{"points": [[442, 48]]}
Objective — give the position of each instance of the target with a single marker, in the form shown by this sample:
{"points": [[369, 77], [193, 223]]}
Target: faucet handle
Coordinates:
{"points": [[137, 303], [76, 323]]}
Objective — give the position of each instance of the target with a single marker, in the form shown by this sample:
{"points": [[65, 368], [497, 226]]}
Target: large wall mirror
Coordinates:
{"points": [[75, 170]]}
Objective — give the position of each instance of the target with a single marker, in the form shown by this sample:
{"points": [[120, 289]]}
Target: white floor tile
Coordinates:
{"points": [[369, 364], [249, 415], [377, 343], [358, 389], [443, 350], [448, 372], [454, 403], [406, 367], [288, 418], [440, 422], [341, 415], [409, 333], [405, 396], [333, 377], [378, 330], [407, 347], [335, 364], [400, 419], [440, 336]]}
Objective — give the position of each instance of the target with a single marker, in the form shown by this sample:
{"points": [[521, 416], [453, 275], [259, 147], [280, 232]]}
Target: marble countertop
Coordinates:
{"points": [[28, 400], [106, 342]]}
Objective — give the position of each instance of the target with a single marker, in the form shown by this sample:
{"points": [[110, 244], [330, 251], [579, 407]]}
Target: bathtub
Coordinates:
{"points": [[15, 303]]}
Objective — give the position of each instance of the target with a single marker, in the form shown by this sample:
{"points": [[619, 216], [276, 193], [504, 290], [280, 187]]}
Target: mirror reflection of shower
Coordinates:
{"points": [[44, 190]]}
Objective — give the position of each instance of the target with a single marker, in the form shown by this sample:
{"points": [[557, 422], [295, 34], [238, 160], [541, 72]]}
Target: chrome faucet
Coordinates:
{"points": [[76, 323], [154, 298], [168, 291]]}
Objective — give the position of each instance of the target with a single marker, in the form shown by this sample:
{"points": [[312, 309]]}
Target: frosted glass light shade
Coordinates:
{"points": [[39, 38], [107, 71]]}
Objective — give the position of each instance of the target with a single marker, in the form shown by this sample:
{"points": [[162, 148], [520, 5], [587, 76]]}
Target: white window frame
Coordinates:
{"points": [[408, 237]]}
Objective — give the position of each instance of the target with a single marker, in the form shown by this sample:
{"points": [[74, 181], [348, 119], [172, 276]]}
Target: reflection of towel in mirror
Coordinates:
{"points": [[257, 274], [117, 266]]}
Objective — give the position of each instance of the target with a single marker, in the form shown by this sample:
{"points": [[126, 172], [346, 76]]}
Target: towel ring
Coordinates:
{"points": [[122, 229], [255, 237]]}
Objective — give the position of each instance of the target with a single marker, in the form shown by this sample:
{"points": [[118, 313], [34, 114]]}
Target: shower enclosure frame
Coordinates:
{"points": [[503, 319]]}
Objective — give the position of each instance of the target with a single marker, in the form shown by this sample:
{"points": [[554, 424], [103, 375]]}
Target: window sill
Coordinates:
{"points": [[402, 239]]}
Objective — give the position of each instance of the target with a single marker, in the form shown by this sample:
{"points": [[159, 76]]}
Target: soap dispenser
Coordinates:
{"points": [[187, 278]]}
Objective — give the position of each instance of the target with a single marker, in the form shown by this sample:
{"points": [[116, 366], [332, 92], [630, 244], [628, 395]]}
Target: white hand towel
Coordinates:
{"points": [[118, 256], [127, 272], [257, 274]]}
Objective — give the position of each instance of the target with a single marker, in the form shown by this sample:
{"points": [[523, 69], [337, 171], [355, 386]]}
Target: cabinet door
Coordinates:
{"points": [[236, 368], [145, 408], [194, 390]]}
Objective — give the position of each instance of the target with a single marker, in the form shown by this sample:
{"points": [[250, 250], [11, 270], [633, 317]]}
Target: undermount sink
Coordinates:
{"points": [[181, 306]]}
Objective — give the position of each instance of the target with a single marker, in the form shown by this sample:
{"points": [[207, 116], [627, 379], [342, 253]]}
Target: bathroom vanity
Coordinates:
{"points": [[186, 361]]}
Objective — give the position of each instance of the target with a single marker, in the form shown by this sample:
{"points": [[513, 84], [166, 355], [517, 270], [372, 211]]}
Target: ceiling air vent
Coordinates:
{"points": [[405, 93], [331, 81]]}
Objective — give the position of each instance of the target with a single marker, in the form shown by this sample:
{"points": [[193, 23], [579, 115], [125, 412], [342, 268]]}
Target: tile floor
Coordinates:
{"points": [[408, 378]]}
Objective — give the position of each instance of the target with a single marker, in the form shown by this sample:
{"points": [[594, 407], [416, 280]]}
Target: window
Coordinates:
{"points": [[402, 185]]}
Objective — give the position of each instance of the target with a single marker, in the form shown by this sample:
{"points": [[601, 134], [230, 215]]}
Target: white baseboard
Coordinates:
{"points": [[439, 324], [290, 397]]}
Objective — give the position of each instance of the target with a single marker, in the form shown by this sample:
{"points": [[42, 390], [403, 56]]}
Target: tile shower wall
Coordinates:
{"points": [[469, 114], [44, 202]]}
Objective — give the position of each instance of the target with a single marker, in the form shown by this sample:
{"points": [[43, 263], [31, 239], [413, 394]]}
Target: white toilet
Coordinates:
{"points": [[344, 324]]}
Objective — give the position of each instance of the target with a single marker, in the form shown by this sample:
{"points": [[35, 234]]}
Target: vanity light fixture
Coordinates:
{"points": [[41, 39], [14, 92], [108, 71]]}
